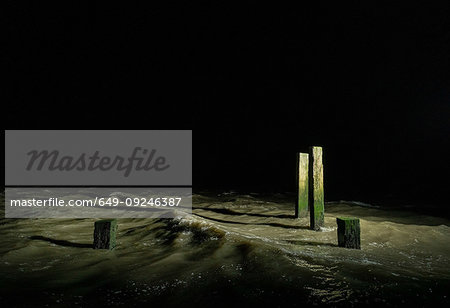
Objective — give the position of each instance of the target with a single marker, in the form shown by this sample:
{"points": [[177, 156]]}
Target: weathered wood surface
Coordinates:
{"points": [[105, 234], [349, 232], [316, 191], [301, 207]]}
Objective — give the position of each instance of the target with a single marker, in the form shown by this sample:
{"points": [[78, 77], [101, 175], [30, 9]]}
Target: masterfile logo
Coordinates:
{"points": [[93, 157], [55, 161]]}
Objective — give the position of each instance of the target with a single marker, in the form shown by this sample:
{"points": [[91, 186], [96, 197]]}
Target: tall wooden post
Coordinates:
{"points": [[316, 193], [301, 206]]}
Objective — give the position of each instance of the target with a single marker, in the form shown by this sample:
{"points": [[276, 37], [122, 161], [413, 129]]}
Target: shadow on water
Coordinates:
{"points": [[258, 224], [60, 242], [309, 243], [395, 215], [405, 216], [230, 212]]}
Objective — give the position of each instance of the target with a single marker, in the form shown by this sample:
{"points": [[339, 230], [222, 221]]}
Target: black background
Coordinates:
{"points": [[257, 83]]}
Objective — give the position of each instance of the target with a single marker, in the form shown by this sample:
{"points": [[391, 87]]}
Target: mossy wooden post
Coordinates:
{"points": [[349, 232], [316, 194], [301, 206], [105, 234]]}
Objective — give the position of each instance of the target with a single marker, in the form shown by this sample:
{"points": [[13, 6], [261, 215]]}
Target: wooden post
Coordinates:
{"points": [[349, 232], [301, 207], [105, 234], [316, 194]]}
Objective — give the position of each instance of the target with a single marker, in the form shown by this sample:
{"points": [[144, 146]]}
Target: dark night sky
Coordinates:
{"points": [[369, 82]]}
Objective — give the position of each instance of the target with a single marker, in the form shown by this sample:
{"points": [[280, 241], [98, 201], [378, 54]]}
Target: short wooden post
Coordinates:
{"points": [[349, 232], [316, 194], [105, 234], [301, 207]]}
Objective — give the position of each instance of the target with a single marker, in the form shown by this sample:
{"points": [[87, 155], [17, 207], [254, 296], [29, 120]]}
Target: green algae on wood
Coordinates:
{"points": [[349, 232], [105, 234], [316, 191], [301, 207]]}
